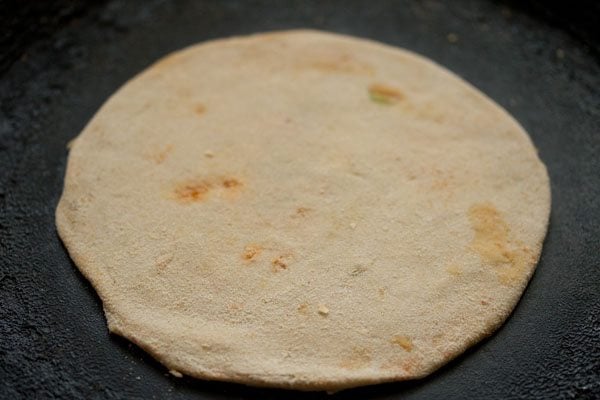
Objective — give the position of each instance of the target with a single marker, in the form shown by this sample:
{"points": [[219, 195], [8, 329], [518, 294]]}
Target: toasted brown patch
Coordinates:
{"points": [[441, 184], [494, 245], [360, 357], [520, 257], [279, 264], [410, 364], [191, 191], [358, 270], [302, 211], [251, 252], [196, 190], [382, 292], [384, 94], [403, 341], [230, 183], [437, 339], [200, 109], [161, 154], [484, 302], [441, 180], [391, 364], [163, 260], [403, 364], [303, 309], [491, 233]]}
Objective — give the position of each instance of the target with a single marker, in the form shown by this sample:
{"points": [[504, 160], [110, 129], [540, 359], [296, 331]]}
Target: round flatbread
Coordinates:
{"points": [[303, 210]]}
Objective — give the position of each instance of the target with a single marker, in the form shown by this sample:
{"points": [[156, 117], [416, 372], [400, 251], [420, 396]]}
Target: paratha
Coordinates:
{"points": [[303, 210]]}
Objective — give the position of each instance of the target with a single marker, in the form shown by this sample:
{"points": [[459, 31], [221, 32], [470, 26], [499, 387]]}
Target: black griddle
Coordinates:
{"points": [[61, 60]]}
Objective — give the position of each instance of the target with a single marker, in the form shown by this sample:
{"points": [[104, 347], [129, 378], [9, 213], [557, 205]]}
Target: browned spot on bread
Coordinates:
{"points": [[437, 339], [180, 305], [358, 270], [448, 355], [392, 363], [192, 191], [484, 302], [163, 260], [494, 244], [230, 183], [520, 257], [360, 357], [302, 211], [200, 109], [400, 364], [235, 306], [441, 180], [384, 94], [381, 292], [410, 364], [303, 309], [491, 233], [403, 341], [196, 190], [441, 184], [251, 252], [279, 264], [161, 154]]}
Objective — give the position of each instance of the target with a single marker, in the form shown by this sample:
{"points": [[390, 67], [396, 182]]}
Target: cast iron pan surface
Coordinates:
{"points": [[53, 337]]}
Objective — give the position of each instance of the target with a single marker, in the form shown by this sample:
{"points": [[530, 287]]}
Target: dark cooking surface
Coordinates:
{"points": [[53, 337]]}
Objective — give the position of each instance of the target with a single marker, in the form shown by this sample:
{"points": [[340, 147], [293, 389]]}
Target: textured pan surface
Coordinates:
{"points": [[54, 340]]}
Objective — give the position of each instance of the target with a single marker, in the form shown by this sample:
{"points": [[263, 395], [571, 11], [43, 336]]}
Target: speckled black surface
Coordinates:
{"points": [[53, 337]]}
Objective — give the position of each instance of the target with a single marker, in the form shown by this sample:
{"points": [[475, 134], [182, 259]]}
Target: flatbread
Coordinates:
{"points": [[303, 210]]}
